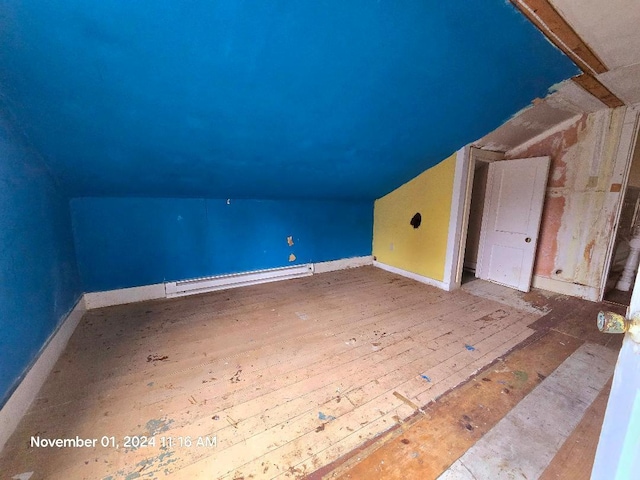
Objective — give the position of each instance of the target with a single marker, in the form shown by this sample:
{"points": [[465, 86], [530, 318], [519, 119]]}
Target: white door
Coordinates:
{"points": [[511, 221], [618, 454]]}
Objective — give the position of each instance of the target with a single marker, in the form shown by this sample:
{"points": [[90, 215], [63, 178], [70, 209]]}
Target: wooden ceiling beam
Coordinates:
{"points": [[549, 21], [592, 85], [544, 16]]}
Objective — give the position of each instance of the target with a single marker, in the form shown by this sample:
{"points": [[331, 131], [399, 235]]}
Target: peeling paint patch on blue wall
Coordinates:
{"points": [[39, 282], [126, 242], [272, 99]]}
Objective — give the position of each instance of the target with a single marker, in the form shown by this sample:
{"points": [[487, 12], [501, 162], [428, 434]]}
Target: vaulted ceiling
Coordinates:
{"points": [[278, 99], [606, 41]]}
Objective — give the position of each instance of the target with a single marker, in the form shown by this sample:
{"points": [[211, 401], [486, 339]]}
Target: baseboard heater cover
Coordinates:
{"points": [[222, 282]]}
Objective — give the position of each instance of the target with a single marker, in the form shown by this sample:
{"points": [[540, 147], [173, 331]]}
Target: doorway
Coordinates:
{"points": [[479, 169], [476, 208], [506, 200], [615, 290]]}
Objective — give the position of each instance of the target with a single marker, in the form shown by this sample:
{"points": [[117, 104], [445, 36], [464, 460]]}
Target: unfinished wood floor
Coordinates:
{"points": [[434, 444], [283, 377]]}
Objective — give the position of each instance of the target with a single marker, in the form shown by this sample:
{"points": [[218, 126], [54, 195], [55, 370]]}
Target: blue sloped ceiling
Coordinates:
{"points": [[263, 99]]}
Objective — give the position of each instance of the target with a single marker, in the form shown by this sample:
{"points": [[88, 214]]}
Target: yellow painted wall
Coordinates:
{"points": [[419, 250]]}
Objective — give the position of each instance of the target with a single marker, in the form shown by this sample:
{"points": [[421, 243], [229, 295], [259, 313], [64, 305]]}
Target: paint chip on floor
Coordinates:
{"points": [[322, 416]]}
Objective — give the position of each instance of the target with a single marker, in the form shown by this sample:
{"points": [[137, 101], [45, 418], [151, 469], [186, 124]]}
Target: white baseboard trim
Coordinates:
{"points": [[342, 264], [124, 295], [156, 291], [566, 288], [235, 280], [27, 391], [413, 276]]}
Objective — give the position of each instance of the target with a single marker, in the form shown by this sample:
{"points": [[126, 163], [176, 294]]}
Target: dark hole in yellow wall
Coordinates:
{"points": [[416, 220]]}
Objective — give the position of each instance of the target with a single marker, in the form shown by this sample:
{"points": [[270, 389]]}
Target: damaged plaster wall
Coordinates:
{"points": [[580, 203]]}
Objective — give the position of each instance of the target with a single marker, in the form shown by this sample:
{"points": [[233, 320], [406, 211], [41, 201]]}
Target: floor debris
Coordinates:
{"points": [[408, 402], [322, 416]]}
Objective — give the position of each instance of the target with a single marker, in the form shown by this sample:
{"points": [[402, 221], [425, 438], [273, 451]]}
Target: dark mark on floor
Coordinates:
{"points": [[236, 377], [156, 358], [232, 422]]}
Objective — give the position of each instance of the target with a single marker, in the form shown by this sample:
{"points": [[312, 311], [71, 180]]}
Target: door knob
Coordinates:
{"points": [[528, 239], [610, 322]]}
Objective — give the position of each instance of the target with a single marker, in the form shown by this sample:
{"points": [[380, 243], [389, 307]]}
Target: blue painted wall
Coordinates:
{"points": [[297, 101], [39, 282], [264, 99], [126, 242]]}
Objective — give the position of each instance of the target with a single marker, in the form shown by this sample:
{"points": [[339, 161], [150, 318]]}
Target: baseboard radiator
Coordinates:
{"points": [[223, 282]]}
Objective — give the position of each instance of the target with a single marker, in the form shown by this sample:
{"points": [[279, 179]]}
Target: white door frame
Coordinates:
{"points": [[624, 155], [460, 208]]}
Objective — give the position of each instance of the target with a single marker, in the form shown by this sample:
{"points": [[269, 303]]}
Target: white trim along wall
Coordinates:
{"points": [[411, 275], [27, 391], [167, 289]]}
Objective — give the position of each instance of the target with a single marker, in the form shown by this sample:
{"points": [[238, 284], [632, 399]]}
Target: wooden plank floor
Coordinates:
{"points": [[525, 440], [428, 445], [270, 381]]}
